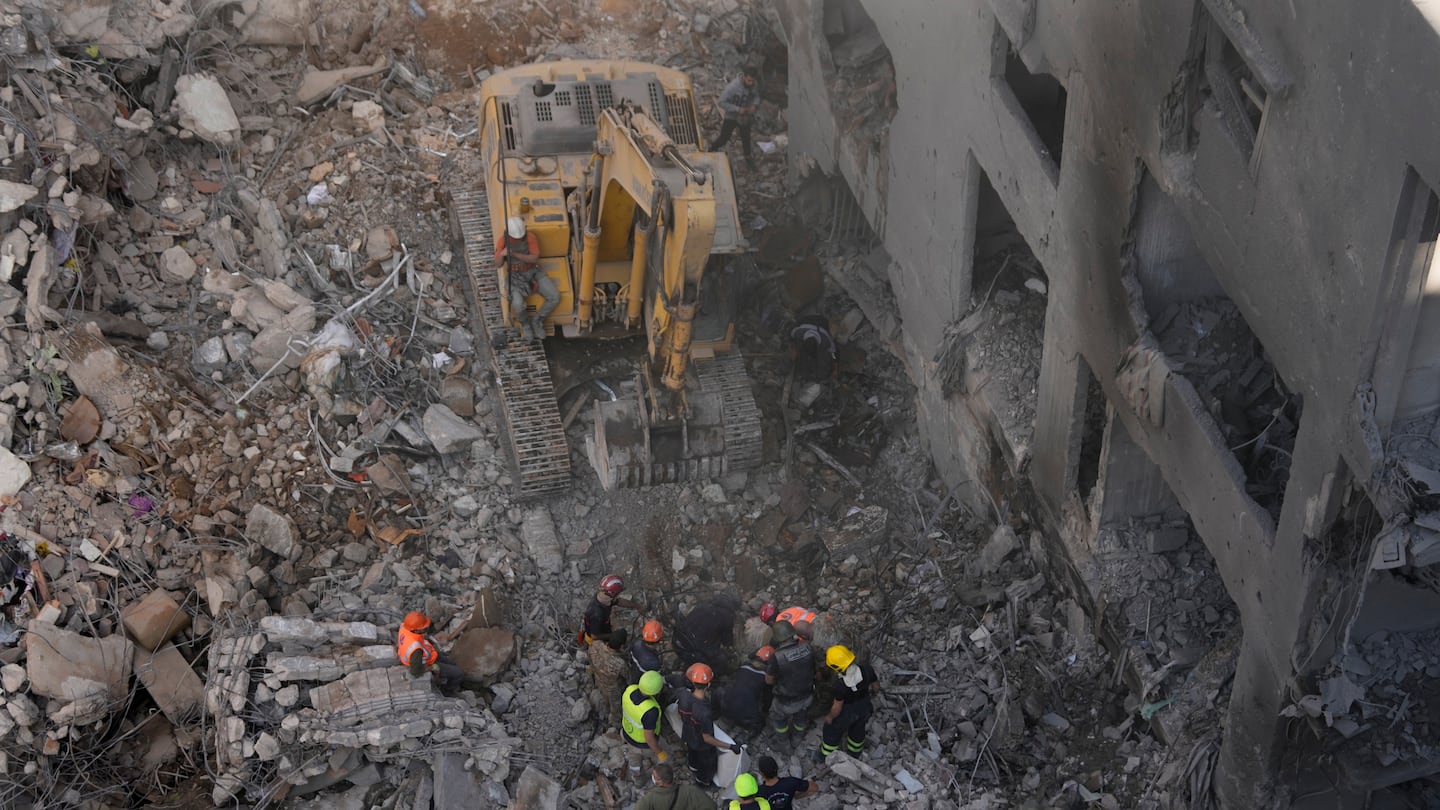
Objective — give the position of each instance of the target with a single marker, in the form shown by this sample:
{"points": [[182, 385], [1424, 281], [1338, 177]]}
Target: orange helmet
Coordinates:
{"points": [[767, 612], [652, 631], [612, 584], [699, 674], [765, 653], [415, 621]]}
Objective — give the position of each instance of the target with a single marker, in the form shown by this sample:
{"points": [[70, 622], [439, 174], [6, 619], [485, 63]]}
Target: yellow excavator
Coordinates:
{"points": [[638, 229]]}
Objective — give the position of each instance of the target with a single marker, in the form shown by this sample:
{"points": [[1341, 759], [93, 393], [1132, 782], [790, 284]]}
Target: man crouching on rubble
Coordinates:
{"points": [[421, 655]]}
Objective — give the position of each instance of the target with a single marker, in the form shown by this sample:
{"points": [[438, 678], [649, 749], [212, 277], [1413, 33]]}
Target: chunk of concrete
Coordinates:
{"points": [[69, 666], [154, 620], [272, 530], [176, 266], [12, 677], [455, 787], [171, 682], [486, 612], [535, 791], [484, 652], [315, 85], [14, 473], [447, 431], [1002, 544], [370, 115], [540, 538], [859, 774], [13, 195], [205, 109]]}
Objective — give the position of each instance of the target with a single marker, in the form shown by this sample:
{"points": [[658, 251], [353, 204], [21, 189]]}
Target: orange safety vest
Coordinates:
{"points": [[409, 642], [795, 614]]}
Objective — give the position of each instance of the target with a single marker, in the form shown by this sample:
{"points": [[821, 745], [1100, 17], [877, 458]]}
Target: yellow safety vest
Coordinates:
{"points": [[763, 804], [632, 716]]}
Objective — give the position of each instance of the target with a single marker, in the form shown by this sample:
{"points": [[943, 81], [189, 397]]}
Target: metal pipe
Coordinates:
{"points": [[637, 276], [587, 274]]}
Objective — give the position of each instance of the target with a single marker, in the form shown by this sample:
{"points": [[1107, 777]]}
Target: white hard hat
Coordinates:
{"points": [[515, 226]]}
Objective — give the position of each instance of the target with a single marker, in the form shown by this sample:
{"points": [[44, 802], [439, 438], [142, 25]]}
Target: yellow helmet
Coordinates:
{"points": [[839, 658]]}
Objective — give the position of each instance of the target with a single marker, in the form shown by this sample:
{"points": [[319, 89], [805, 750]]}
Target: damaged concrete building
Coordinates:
{"points": [[1162, 272]]}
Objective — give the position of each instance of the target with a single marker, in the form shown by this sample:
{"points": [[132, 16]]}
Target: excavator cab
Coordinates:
{"points": [[639, 230]]}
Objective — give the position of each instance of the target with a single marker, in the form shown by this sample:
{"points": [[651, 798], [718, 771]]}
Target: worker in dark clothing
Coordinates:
{"points": [[669, 796], [698, 726], [747, 788], [782, 791], [645, 652], [792, 672], [738, 101], [595, 625], [851, 708], [743, 702], [707, 633], [812, 348]]}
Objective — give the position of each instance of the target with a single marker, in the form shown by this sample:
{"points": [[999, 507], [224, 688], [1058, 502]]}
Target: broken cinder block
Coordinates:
{"points": [[170, 680], [154, 620]]}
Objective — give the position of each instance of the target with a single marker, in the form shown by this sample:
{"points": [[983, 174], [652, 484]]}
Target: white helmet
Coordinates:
{"points": [[515, 226]]}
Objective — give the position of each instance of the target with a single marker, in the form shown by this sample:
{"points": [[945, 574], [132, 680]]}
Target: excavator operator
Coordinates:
{"points": [[519, 254]]}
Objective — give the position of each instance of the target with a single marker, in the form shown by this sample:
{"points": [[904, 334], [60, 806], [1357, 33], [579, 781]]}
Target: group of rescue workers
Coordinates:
{"points": [[781, 675]]}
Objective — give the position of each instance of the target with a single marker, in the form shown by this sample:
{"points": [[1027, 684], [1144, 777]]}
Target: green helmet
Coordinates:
{"points": [[746, 786], [651, 683], [782, 631]]}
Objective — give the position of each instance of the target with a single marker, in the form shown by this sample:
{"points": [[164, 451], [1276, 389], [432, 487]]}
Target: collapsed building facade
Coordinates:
{"points": [[1162, 273]]}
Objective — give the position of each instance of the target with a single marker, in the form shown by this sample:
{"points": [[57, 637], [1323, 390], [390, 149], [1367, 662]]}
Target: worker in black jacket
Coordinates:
{"points": [[743, 702], [707, 633], [851, 708], [702, 747], [792, 672]]}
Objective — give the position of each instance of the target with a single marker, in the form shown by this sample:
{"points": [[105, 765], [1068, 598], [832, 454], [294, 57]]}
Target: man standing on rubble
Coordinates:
{"points": [[595, 624], [518, 255], [640, 721], [851, 708], [645, 651], [669, 796], [707, 633], [782, 791], [744, 701], [739, 100], [702, 748], [421, 655], [792, 672]]}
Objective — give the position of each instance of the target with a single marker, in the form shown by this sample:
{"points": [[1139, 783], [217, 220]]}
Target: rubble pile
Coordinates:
{"points": [[244, 428]]}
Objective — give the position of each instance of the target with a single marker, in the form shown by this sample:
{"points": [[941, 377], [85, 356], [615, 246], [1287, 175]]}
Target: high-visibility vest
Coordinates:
{"points": [[409, 642], [632, 715], [795, 614], [758, 803]]}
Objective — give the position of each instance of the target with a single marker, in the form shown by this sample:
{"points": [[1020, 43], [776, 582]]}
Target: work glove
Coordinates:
{"points": [[662, 757], [736, 748]]}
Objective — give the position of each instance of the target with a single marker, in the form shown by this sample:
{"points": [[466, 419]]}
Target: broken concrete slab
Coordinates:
{"points": [[14, 473], [296, 629], [171, 682], [154, 620], [315, 85], [69, 666], [1002, 544], [13, 195], [447, 431], [272, 530], [455, 787], [484, 652], [535, 791], [205, 109], [486, 612], [328, 668], [859, 774], [176, 265], [542, 541]]}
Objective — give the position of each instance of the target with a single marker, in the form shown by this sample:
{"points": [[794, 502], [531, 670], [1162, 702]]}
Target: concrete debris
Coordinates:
{"points": [[14, 473], [69, 666], [154, 620], [176, 265], [174, 686], [272, 530], [447, 431], [13, 195], [484, 652], [535, 791], [204, 109], [542, 541]]}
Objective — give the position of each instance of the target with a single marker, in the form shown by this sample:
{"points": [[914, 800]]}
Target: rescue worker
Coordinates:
{"points": [[702, 748], [707, 633], [595, 626], [812, 348], [851, 708], [743, 703], [801, 618], [645, 651], [421, 655], [640, 721], [782, 791], [746, 787], [739, 100], [669, 796], [518, 255], [792, 672]]}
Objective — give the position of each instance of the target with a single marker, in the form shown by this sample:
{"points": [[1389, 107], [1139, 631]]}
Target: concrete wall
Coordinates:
{"points": [[1298, 236]]}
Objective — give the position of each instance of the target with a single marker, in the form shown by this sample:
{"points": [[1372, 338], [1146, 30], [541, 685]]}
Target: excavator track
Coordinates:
{"points": [[539, 454], [725, 375]]}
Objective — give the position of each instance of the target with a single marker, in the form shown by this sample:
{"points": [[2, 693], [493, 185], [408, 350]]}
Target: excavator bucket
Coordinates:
{"points": [[720, 434]]}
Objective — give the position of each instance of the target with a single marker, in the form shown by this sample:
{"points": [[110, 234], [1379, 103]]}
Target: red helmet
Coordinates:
{"points": [[765, 653], [415, 622], [699, 674], [767, 612], [652, 631], [612, 584]]}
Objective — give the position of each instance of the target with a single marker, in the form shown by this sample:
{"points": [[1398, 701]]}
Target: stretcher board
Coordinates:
{"points": [[731, 764]]}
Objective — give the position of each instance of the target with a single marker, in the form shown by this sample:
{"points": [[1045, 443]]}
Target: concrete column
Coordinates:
{"points": [[1130, 484], [1059, 410]]}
